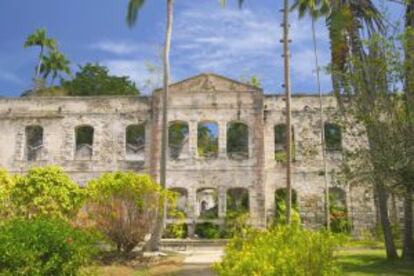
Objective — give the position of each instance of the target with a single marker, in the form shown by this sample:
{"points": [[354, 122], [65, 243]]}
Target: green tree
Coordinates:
{"points": [[40, 39], [133, 8], [46, 191], [94, 79]]}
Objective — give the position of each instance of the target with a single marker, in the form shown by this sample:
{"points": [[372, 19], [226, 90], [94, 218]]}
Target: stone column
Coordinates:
{"points": [[222, 202], [192, 138], [191, 208], [222, 139]]}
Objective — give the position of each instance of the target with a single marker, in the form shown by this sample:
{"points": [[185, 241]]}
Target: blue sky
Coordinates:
{"points": [[206, 38]]}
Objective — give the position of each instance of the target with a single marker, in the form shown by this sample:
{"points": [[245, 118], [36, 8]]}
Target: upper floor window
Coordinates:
{"points": [[333, 137], [178, 140], [207, 142], [280, 142], [238, 141], [84, 142], [34, 142], [135, 142]]}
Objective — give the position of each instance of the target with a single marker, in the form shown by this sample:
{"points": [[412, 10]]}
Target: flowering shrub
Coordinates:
{"points": [[43, 247], [283, 250]]}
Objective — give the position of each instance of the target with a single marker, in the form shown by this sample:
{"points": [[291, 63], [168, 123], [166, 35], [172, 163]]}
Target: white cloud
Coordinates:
{"points": [[138, 71], [116, 47], [245, 43]]}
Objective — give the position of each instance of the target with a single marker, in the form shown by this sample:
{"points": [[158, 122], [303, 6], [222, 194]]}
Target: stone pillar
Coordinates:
{"points": [[191, 211], [192, 138], [222, 202], [222, 139]]}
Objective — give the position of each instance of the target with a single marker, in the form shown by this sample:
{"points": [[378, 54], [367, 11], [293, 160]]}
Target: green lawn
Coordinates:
{"points": [[371, 262]]}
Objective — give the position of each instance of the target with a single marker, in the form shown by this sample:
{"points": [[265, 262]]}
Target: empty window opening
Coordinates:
{"points": [[178, 140], [280, 205], [181, 204], [338, 211], [238, 141], [333, 137], [135, 142], [207, 202], [207, 142], [34, 142], [237, 200], [280, 143], [84, 142]]}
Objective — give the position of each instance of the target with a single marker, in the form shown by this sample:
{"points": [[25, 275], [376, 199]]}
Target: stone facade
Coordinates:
{"points": [[204, 98]]}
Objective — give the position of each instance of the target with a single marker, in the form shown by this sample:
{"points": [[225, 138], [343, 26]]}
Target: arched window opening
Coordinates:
{"points": [[238, 141], [338, 211], [178, 140], [207, 203], [237, 200], [34, 142], [333, 137], [280, 143], [135, 142], [280, 205], [181, 207], [84, 142], [207, 142]]}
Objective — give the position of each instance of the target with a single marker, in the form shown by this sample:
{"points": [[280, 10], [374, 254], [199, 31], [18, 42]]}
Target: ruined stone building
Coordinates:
{"points": [[88, 136]]}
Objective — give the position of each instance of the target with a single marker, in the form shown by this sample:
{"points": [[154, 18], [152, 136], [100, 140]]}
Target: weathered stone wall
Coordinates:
{"points": [[203, 98]]}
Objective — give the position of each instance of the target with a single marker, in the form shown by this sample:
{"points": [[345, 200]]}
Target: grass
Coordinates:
{"points": [[359, 262]]}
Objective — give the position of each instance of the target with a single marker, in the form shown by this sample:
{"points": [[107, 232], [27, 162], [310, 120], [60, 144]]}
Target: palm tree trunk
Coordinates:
{"points": [[322, 126], [385, 222], [156, 236], [286, 55], [38, 68], [408, 243]]}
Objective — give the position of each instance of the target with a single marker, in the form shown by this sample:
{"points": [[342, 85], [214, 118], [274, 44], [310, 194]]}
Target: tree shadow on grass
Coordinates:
{"points": [[372, 262]]}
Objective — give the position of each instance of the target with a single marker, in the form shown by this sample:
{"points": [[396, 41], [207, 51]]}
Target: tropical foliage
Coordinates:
{"points": [[46, 191], [43, 246], [94, 79], [283, 250]]}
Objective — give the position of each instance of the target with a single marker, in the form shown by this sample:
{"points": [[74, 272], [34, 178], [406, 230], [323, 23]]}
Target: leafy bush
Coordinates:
{"points": [[124, 206], [43, 247], [235, 223], [46, 191], [176, 231], [207, 230], [283, 250], [6, 185]]}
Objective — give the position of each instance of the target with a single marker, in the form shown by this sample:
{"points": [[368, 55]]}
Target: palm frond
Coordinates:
{"points": [[134, 7]]}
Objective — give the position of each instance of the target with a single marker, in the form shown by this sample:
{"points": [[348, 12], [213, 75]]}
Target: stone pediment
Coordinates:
{"points": [[211, 83]]}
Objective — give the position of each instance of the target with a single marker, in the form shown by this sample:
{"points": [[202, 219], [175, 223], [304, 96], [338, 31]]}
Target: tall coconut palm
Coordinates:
{"points": [[346, 20], [40, 39], [287, 85], [133, 9]]}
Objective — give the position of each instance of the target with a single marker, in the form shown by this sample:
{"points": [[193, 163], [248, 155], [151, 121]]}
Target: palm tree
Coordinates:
{"points": [[54, 64], [287, 85], [346, 20], [133, 8], [39, 39]]}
